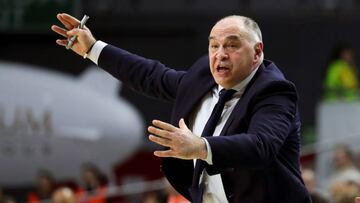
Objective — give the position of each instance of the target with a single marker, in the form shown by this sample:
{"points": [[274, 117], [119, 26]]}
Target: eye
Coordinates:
{"points": [[213, 47], [233, 45]]}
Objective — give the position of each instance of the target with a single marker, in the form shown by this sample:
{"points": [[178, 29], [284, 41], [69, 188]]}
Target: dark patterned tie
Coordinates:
{"points": [[198, 189]]}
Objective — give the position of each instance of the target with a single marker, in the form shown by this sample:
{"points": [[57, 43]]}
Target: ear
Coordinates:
{"points": [[258, 47]]}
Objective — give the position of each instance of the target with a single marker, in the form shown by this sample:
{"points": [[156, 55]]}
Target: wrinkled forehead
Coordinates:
{"points": [[232, 31]]}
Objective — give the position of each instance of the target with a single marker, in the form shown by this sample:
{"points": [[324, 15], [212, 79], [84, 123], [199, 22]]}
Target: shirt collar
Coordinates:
{"points": [[240, 87]]}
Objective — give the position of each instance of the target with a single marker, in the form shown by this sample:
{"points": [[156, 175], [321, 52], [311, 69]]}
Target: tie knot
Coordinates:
{"points": [[225, 95]]}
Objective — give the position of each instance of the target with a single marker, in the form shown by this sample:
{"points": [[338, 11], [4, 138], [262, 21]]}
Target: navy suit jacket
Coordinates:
{"points": [[257, 153]]}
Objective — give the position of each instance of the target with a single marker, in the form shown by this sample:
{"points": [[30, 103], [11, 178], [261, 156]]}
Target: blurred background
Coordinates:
{"points": [[65, 123]]}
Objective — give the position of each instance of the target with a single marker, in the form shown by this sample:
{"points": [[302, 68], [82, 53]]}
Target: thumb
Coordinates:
{"points": [[182, 124]]}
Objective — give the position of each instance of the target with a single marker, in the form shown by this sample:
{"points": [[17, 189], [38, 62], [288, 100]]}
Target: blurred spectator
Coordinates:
{"points": [[151, 198], [94, 181], [63, 195], [341, 82], [155, 197], [4, 198], [310, 184], [345, 168], [344, 192], [45, 185], [309, 179], [345, 183]]}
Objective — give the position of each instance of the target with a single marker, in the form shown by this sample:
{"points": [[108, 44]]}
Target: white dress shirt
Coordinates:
{"points": [[95, 51], [214, 189]]}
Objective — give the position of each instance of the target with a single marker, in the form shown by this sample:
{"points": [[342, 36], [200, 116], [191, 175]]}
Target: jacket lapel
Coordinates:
{"points": [[239, 112], [190, 96]]}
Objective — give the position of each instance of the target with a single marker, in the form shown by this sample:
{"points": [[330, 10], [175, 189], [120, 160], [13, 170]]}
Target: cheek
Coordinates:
{"points": [[241, 64], [243, 58]]}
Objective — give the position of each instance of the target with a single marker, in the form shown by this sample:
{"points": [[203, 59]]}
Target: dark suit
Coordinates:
{"points": [[257, 153]]}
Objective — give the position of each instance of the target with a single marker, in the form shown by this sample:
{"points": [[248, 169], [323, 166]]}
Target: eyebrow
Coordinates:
{"points": [[230, 37]]}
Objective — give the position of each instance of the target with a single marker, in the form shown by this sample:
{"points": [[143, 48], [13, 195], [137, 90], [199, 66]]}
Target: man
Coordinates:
{"points": [[45, 185], [249, 147], [63, 195]]}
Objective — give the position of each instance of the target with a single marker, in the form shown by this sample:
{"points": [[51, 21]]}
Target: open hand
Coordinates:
{"points": [[84, 37], [182, 143]]}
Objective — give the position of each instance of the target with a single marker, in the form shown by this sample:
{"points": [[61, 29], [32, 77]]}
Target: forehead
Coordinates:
{"points": [[224, 31]]}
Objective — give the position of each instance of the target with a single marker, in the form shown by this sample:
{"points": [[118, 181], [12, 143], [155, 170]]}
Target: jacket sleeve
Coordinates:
{"points": [[272, 117], [147, 76]]}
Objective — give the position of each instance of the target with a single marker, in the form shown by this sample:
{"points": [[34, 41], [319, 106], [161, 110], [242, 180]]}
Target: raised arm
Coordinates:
{"points": [[147, 76]]}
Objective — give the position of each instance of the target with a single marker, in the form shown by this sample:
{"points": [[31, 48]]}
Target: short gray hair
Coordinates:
{"points": [[250, 25]]}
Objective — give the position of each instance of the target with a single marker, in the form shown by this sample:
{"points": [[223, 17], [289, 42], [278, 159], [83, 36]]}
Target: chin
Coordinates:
{"points": [[224, 85]]}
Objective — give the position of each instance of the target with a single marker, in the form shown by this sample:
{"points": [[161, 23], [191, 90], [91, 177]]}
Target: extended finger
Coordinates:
{"points": [[59, 30], [165, 153], [161, 141], [165, 126], [65, 22], [70, 19], [160, 132], [62, 42]]}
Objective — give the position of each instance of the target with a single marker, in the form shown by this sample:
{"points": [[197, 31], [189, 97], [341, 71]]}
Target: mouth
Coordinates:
{"points": [[222, 69]]}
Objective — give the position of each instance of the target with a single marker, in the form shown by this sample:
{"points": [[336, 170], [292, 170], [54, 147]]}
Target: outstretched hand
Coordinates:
{"points": [[182, 143], [84, 37]]}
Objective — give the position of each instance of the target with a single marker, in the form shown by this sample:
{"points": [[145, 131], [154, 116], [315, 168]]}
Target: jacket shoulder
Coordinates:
{"points": [[270, 77]]}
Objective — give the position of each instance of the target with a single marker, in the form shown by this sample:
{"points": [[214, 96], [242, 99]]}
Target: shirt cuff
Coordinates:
{"points": [[209, 153], [95, 51]]}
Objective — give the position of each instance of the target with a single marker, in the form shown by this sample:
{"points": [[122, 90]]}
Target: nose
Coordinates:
{"points": [[221, 54]]}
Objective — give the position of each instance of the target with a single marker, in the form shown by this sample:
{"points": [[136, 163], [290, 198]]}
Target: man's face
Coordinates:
{"points": [[233, 56]]}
